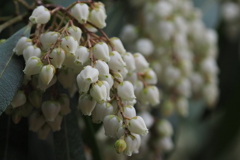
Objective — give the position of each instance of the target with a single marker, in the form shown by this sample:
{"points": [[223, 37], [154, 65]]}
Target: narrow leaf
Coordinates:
{"points": [[68, 141], [11, 67]]}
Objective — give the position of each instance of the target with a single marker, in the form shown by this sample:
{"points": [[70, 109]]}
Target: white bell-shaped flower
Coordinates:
{"points": [[138, 126], [102, 67], [132, 77], [33, 66], [166, 144], [69, 44], [82, 55], [99, 92], [57, 57], [102, 110], [128, 33], [44, 131], [138, 144], [86, 104], [80, 11], [117, 76], [18, 99], [36, 121], [66, 78], [69, 61], [124, 72], [46, 74], [108, 78], [128, 111], [40, 15], [150, 77], [121, 131], [111, 124], [132, 145], [117, 44], [148, 118], [87, 76], [140, 62], [182, 106], [151, 95], [22, 43], [163, 9], [47, 39], [130, 62], [76, 32], [65, 104], [116, 62], [108, 89], [56, 124], [35, 98], [184, 87], [50, 110], [125, 91], [97, 17], [164, 128], [145, 46], [43, 86], [101, 51], [31, 51]]}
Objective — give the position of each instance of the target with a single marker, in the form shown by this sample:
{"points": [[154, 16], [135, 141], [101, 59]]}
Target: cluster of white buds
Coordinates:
{"points": [[182, 53], [108, 79]]}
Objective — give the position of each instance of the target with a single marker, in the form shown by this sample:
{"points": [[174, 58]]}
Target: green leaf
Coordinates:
{"points": [[11, 67], [68, 141]]}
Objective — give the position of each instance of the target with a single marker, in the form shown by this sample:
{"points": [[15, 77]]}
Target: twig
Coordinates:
{"points": [[25, 4], [16, 7], [12, 21]]}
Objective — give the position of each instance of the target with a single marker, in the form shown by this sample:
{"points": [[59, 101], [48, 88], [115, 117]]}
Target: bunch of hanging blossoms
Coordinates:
{"points": [[65, 52], [182, 53]]}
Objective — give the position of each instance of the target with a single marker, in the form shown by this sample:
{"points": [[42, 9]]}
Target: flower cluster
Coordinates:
{"points": [[67, 53], [180, 49]]}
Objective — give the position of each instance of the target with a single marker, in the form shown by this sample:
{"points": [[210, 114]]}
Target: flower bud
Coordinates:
{"points": [[86, 104], [31, 51], [69, 44], [35, 98], [18, 99], [121, 131], [102, 67], [148, 118], [141, 62], [118, 46], [128, 33], [145, 46], [118, 77], [125, 91], [56, 124], [184, 87], [128, 111], [48, 39], [57, 57], [151, 95], [50, 110], [22, 43], [120, 145], [33, 66], [44, 131], [111, 124], [100, 111], [138, 126], [116, 62], [101, 51], [167, 108], [36, 121], [129, 60], [81, 12], [164, 128], [76, 32], [65, 104], [99, 92], [47, 73], [97, 17], [82, 55], [40, 15], [166, 144]]}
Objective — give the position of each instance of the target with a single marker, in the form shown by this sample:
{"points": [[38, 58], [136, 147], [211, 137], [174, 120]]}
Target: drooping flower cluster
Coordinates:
{"points": [[180, 49], [70, 55]]}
